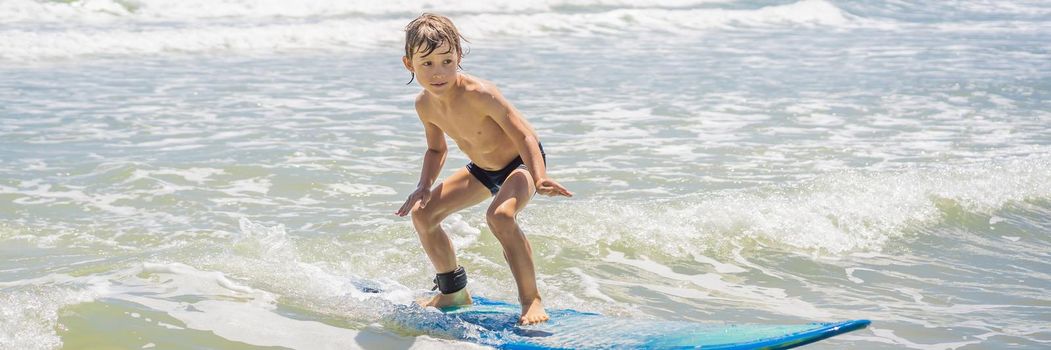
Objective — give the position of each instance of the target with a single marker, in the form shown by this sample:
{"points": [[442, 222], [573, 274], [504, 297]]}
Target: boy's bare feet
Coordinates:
{"points": [[533, 313], [459, 298]]}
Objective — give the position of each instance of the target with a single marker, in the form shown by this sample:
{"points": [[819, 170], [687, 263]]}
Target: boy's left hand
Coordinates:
{"points": [[549, 187]]}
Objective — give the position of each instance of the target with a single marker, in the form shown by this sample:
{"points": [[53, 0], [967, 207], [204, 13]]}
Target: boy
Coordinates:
{"points": [[507, 163]]}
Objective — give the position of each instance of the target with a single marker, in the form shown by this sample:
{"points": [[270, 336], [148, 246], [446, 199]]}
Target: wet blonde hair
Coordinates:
{"points": [[428, 32]]}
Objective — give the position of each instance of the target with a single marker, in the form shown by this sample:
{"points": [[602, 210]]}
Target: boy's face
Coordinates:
{"points": [[435, 72]]}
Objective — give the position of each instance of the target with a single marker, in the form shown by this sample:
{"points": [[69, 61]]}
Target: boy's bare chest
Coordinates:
{"points": [[466, 125]]}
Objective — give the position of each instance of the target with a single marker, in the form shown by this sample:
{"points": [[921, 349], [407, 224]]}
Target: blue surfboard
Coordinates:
{"points": [[494, 323]]}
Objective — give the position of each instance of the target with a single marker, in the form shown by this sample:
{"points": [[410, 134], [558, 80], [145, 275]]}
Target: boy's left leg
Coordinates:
{"points": [[515, 193]]}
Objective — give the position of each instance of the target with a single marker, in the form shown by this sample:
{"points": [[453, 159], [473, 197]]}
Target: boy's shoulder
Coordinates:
{"points": [[421, 98], [481, 91], [475, 84]]}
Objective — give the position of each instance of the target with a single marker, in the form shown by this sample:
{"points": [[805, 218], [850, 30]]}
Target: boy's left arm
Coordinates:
{"points": [[528, 146]]}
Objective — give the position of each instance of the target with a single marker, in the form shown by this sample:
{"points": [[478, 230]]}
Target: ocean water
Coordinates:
{"points": [[223, 174]]}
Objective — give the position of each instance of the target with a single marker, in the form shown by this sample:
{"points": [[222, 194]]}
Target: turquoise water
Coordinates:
{"points": [[222, 175]]}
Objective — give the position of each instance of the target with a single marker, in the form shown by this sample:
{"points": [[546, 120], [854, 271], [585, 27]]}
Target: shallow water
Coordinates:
{"points": [[205, 177]]}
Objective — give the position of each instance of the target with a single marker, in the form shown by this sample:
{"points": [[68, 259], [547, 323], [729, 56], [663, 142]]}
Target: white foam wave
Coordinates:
{"points": [[30, 308], [618, 21], [35, 193], [29, 315], [360, 189], [834, 214], [21, 44], [190, 280], [111, 10], [87, 28], [265, 242], [196, 175], [590, 285], [270, 256]]}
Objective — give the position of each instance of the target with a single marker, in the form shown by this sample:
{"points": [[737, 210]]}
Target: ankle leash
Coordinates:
{"points": [[450, 282]]}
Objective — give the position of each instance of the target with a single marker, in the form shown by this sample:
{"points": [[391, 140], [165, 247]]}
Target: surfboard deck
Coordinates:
{"points": [[494, 323]]}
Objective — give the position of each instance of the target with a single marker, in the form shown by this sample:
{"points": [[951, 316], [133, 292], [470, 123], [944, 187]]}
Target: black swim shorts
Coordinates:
{"points": [[493, 179]]}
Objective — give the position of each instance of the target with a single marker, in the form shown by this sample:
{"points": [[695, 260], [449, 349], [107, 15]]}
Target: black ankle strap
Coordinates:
{"points": [[451, 282]]}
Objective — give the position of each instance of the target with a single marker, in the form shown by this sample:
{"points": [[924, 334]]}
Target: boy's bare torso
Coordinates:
{"points": [[464, 120]]}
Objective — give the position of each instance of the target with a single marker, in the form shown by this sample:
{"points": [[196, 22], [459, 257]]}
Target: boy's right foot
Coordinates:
{"points": [[533, 313], [459, 298]]}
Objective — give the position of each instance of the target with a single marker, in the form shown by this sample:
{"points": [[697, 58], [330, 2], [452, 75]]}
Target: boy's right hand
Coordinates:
{"points": [[421, 194]]}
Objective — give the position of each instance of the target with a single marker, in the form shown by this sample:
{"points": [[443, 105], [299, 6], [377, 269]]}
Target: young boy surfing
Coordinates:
{"points": [[507, 163]]}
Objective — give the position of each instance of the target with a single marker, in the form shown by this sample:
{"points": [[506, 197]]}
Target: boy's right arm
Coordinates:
{"points": [[433, 160]]}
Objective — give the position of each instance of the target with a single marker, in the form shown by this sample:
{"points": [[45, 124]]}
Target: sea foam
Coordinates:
{"points": [[117, 28], [832, 214]]}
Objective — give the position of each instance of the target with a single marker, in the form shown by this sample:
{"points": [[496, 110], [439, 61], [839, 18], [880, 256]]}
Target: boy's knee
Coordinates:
{"points": [[500, 220], [424, 217]]}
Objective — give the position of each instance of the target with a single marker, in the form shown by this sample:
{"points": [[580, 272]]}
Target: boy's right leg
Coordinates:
{"points": [[455, 193]]}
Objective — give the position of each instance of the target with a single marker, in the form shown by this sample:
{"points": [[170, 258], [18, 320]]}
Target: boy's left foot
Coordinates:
{"points": [[533, 313], [459, 298]]}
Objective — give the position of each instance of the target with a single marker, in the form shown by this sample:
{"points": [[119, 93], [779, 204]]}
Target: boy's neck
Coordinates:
{"points": [[454, 91]]}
